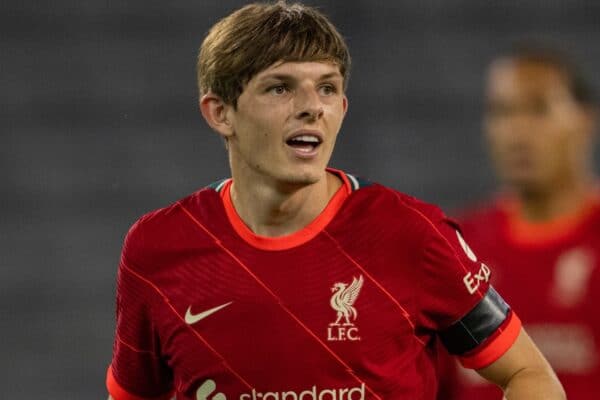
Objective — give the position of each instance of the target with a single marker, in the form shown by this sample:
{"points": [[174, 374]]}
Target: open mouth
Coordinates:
{"points": [[304, 143]]}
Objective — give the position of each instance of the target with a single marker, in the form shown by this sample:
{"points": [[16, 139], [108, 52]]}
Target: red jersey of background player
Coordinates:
{"points": [[551, 273], [347, 308], [542, 237]]}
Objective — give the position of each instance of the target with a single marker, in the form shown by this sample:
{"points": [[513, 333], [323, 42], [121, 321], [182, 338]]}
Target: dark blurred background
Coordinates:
{"points": [[98, 105]]}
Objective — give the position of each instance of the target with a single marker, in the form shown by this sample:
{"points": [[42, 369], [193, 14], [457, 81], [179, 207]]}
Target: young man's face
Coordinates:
{"points": [[287, 120], [536, 131]]}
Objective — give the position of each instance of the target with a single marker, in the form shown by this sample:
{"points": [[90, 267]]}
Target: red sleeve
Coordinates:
{"points": [[495, 346], [457, 300], [137, 370]]}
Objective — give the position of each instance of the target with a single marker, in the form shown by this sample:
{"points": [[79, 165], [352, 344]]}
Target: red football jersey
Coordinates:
{"points": [[348, 308], [550, 272]]}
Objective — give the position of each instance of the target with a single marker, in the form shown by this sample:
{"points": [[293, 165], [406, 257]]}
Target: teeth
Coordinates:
{"points": [[306, 138]]}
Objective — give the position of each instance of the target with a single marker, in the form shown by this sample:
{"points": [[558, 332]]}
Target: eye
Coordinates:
{"points": [[328, 90], [277, 90], [539, 108]]}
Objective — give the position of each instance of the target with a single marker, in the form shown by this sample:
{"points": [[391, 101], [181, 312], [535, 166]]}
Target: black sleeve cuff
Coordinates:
{"points": [[477, 325]]}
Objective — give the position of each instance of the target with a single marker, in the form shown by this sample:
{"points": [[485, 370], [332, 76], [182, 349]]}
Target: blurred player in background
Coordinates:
{"points": [[292, 280], [541, 234]]}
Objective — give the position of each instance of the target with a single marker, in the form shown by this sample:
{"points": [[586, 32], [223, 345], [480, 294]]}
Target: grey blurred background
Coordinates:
{"points": [[99, 125]]}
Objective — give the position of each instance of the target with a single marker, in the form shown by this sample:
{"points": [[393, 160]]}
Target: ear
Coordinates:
{"points": [[592, 119], [586, 122], [215, 111], [345, 104]]}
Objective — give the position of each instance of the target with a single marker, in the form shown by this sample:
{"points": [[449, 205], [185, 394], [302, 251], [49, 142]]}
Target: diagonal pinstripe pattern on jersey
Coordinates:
{"points": [[404, 313], [280, 302], [196, 333]]}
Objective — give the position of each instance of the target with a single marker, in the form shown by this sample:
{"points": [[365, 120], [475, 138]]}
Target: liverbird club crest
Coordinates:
{"points": [[342, 302]]}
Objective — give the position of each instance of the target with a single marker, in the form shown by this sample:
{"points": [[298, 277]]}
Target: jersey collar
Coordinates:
{"points": [[297, 238], [525, 232]]}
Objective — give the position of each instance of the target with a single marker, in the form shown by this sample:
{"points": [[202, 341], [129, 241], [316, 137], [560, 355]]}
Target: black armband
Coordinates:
{"points": [[477, 325]]}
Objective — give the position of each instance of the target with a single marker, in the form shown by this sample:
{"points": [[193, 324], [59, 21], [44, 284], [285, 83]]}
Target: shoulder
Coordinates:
{"points": [[395, 222], [395, 208], [164, 231], [594, 214]]}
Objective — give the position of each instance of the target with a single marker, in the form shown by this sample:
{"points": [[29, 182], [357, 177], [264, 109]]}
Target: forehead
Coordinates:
{"points": [[299, 70], [517, 78]]}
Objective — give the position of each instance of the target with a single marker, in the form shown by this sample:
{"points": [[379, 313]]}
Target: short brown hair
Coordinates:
{"points": [[256, 36]]}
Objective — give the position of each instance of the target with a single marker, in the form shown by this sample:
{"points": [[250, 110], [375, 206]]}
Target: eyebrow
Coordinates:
{"points": [[284, 77]]}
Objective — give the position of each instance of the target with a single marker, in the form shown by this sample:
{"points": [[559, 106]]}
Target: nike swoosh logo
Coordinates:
{"points": [[193, 318]]}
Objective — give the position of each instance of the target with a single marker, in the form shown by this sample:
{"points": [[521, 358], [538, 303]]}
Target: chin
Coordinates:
{"points": [[304, 177], [527, 185]]}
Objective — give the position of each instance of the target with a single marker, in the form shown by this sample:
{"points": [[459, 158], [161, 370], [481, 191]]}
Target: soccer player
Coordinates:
{"points": [[291, 280], [541, 234]]}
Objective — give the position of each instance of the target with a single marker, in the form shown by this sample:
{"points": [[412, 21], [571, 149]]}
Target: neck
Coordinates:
{"points": [[547, 204], [277, 209]]}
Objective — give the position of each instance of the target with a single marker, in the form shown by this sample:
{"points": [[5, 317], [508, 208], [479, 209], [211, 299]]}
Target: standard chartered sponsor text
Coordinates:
{"points": [[314, 393]]}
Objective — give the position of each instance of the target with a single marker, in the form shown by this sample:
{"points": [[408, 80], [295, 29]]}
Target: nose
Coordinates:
{"points": [[308, 105], [519, 129], [311, 114]]}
